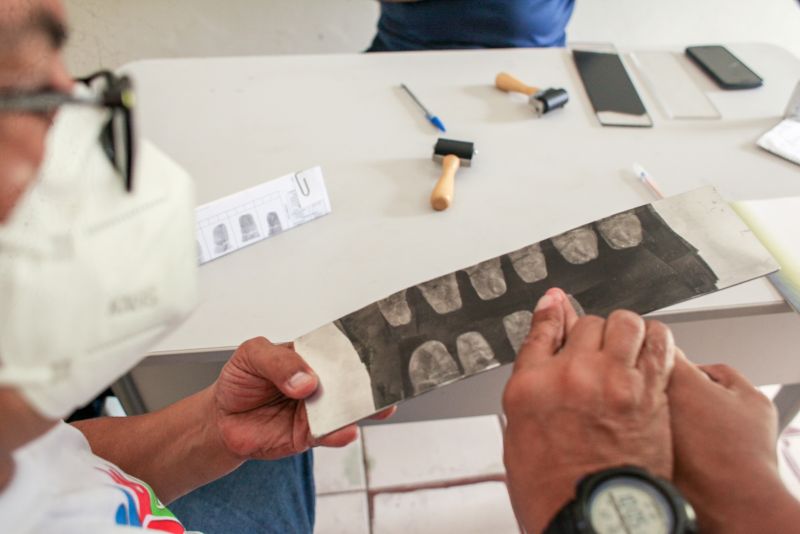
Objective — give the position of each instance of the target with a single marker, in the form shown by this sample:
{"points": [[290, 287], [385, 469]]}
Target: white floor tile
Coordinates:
{"points": [[407, 454], [789, 459], [342, 513], [338, 470], [477, 508], [770, 390]]}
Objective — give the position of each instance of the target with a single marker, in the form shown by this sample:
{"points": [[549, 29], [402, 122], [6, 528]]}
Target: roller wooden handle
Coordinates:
{"points": [[506, 82], [442, 195]]}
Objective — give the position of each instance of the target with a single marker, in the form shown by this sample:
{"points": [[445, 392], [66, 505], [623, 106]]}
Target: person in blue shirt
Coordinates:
{"points": [[453, 24]]}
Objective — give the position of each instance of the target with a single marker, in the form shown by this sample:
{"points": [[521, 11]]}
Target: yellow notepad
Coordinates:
{"points": [[776, 223]]}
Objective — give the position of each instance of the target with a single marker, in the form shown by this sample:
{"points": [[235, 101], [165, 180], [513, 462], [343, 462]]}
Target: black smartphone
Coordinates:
{"points": [[610, 89], [724, 67]]}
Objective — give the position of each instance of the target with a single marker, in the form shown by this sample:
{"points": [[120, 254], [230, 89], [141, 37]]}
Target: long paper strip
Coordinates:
{"points": [[241, 219], [476, 318]]}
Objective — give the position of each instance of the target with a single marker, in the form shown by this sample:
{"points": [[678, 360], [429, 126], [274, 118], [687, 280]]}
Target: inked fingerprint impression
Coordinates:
{"points": [[474, 352], [430, 365], [577, 246]]}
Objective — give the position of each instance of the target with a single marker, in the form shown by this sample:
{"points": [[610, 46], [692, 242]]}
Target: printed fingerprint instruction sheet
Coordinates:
{"points": [[260, 212]]}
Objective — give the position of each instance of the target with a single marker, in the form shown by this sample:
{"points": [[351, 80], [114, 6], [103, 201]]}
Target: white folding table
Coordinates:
{"points": [[236, 122]]}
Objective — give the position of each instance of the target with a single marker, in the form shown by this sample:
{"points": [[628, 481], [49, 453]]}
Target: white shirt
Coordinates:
{"points": [[59, 486]]}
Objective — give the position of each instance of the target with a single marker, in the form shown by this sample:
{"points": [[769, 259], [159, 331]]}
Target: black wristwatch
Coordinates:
{"points": [[624, 500]]}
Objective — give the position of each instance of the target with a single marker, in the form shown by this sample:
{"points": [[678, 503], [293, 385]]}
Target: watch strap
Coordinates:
{"points": [[566, 521]]}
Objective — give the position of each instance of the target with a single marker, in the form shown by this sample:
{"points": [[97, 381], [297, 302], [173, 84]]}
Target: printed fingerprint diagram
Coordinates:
{"points": [[274, 226], [215, 240], [222, 239], [248, 227], [224, 235], [272, 218]]}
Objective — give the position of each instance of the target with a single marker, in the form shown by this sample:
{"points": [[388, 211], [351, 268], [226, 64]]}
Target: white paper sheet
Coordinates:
{"points": [[261, 212], [784, 139], [775, 222]]}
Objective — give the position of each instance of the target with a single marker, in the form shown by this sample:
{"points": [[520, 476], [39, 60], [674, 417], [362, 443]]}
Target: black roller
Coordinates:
{"points": [[464, 150], [550, 99]]}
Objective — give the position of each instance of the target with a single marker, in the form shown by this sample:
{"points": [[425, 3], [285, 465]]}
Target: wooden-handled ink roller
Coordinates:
{"points": [[542, 100], [452, 154]]}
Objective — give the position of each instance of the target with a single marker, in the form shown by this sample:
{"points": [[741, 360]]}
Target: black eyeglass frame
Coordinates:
{"points": [[117, 138]]}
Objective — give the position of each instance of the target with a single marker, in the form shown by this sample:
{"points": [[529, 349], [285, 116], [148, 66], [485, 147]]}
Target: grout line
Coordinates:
{"points": [[439, 484], [365, 463], [444, 484], [502, 421], [341, 493]]}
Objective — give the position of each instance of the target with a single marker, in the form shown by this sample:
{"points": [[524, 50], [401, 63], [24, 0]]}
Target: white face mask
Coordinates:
{"points": [[90, 275]]}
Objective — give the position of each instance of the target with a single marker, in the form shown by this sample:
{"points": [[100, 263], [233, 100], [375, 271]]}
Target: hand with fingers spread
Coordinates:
{"points": [[585, 394], [258, 403], [724, 432]]}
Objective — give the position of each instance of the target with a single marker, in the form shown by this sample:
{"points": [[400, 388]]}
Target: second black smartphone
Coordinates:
{"points": [[724, 67]]}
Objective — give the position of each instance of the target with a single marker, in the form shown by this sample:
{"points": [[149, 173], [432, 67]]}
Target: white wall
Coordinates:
{"points": [[688, 21], [112, 32]]}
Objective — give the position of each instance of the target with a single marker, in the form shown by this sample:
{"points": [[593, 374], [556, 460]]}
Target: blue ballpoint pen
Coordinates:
{"points": [[433, 119]]}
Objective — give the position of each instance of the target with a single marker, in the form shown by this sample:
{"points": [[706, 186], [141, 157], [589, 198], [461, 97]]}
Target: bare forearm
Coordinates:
{"points": [[175, 449], [776, 512], [781, 513], [744, 504]]}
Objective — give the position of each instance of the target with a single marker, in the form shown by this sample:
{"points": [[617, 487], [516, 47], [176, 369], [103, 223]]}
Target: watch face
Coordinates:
{"points": [[628, 505]]}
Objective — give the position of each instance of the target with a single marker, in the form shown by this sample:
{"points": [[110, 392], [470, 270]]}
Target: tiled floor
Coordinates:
{"points": [[343, 513], [789, 457], [440, 476], [469, 508], [427, 478], [411, 455]]}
